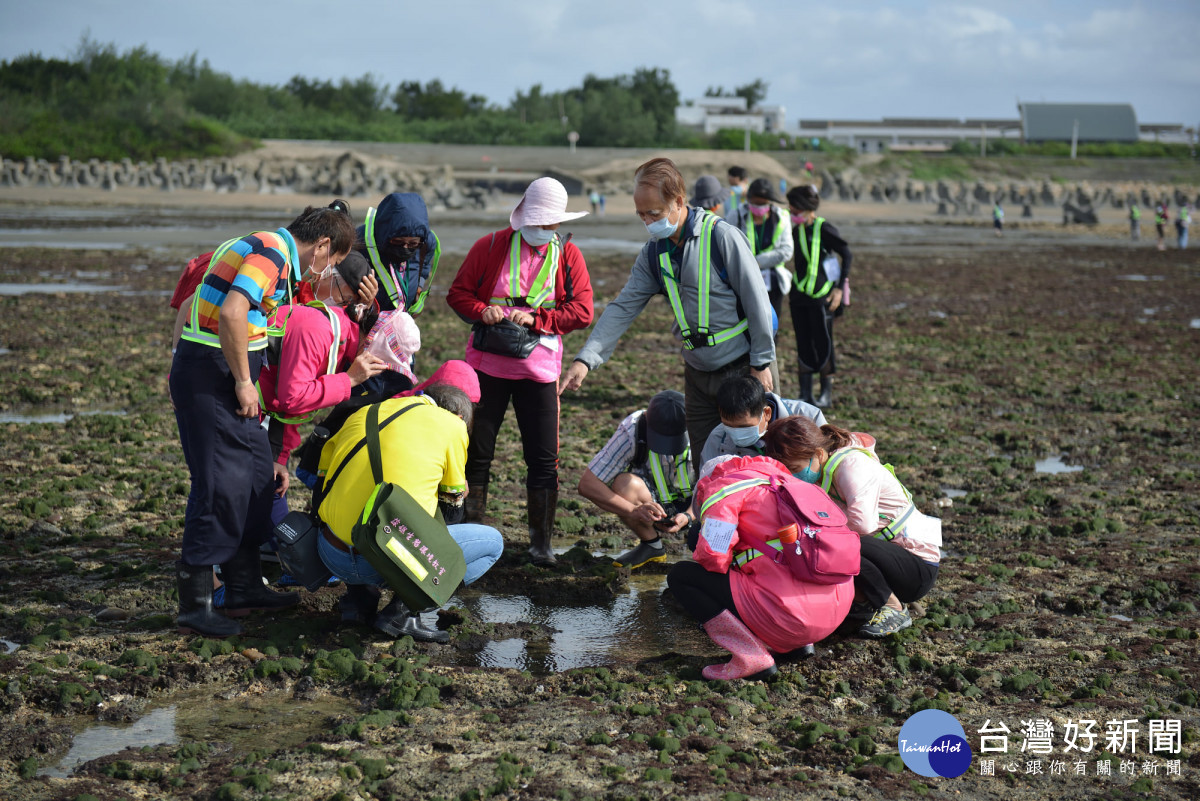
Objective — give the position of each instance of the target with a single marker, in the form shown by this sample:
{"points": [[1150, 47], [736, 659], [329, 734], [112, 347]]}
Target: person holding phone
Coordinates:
{"points": [[643, 476]]}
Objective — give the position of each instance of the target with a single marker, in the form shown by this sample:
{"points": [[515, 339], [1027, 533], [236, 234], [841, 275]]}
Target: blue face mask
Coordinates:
{"points": [[537, 236], [661, 229], [745, 436], [809, 476]]}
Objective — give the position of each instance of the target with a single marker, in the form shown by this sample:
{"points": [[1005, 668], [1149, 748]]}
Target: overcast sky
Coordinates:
{"points": [[839, 59]]}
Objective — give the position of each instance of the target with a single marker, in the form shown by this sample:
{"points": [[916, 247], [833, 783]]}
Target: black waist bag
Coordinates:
{"points": [[297, 536], [411, 549], [505, 338]]}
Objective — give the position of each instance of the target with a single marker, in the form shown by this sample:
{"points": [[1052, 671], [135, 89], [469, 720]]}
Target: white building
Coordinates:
{"points": [[903, 133], [711, 114]]}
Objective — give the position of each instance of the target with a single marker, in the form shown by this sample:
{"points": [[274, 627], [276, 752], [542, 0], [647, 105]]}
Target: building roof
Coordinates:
{"points": [[1098, 122]]}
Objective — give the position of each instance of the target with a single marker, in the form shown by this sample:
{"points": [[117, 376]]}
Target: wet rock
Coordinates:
{"points": [[110, 613]]}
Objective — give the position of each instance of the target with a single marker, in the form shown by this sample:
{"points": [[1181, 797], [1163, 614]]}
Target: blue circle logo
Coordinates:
{"points": [[933, 743]]}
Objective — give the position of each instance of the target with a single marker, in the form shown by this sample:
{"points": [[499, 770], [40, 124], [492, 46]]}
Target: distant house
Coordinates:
{"points": [[907, 133], [1097, 122], [711, 114]]}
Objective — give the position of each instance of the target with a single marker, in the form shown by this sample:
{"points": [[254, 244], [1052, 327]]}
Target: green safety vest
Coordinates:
{"points": [[751, 237], [335, 326], [895, 527], [812, 255], [191, 329], [702, 337], [1135, 213], [682, 476], [387, 276], [1185, 216], [543, 282], [1160, 215]]}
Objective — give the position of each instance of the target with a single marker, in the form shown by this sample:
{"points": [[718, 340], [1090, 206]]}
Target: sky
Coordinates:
{"points": [[843, 59]]}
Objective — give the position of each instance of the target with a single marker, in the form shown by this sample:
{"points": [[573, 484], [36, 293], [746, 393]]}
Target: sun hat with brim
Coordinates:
{"points": [[761, 187], [707, 192], [666, 425], [544, 203]]}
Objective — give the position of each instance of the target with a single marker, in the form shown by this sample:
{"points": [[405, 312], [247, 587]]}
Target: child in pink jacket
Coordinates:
{"points": [[747, 603]]}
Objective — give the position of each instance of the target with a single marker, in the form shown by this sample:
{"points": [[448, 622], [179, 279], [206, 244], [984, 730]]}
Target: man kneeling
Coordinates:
{"points": [[643, 476], [424, 451]]}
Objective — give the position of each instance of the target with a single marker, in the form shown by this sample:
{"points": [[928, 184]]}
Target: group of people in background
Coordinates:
{"points": [[320, 320], [1162, 216]]}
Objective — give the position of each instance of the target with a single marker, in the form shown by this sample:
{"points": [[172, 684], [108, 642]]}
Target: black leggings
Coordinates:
{"points": [[536, 405], [702, 593], [888, 568]]}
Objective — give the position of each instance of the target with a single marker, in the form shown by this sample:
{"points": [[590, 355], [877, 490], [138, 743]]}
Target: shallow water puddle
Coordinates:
{"points": [[55, 417], [1055, 464], [244, 723], [950, 492], [1195, 323], [1137, 277], [8, 645], [52, 289], [625, 630]]}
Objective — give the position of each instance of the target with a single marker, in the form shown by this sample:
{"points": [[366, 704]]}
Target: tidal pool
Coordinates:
{"points": [[625, 630], [242, 723], [54, 417], [1055, 464], [54, 289]]}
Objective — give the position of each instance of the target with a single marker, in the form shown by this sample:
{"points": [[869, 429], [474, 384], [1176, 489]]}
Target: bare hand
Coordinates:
{"points": [[648, 512], [282, 479], [764, 378], [247, 398], [365, 366], [677, 522], [835, 299], [368, 288], [573, 378], [521, 318], [491, 315]]}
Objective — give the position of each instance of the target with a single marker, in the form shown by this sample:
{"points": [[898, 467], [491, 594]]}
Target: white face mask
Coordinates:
{"points": [[536, 236]]}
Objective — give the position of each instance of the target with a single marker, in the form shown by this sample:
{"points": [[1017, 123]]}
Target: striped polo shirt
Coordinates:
{"points": [[257, 266]]}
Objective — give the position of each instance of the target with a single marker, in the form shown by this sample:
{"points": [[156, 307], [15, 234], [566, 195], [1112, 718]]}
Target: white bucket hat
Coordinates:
{"points": [[544, 203]]}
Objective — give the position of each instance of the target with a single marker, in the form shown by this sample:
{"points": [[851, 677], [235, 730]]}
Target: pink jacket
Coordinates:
{"points": [[783, 612], [299, 383], [872, 497]]}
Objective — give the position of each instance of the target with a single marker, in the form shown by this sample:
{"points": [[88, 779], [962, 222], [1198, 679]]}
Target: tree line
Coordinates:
{"points": [[107, 104]]}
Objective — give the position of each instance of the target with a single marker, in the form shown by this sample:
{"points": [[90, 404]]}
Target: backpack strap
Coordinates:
{"points": [[371, 440]]}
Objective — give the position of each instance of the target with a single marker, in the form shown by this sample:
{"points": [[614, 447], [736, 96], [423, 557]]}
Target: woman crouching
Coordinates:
{"points": [[748, 603]]}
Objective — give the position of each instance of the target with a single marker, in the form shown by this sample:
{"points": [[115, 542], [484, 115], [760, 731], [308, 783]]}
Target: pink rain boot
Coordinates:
{"points": [[751, 660]]}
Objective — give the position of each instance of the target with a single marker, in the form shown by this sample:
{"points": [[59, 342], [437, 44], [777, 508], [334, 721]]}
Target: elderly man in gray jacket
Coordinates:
{"points": [[710, 277]]}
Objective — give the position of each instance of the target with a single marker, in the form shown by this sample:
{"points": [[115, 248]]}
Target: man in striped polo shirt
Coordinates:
{"points": [[213, 377]]}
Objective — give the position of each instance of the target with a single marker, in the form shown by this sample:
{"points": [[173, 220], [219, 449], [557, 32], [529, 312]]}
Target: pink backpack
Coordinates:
{"points": [[826, 551]]}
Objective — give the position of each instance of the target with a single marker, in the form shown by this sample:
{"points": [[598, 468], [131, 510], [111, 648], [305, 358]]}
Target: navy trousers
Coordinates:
{"points": [[228, 456]]}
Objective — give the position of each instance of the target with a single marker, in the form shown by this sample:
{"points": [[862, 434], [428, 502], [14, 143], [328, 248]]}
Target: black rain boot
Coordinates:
{"points": [[395, 620], [541, 507], [196, 615], [825, 399], [806, 388], [475, 506], [359, 604], [244, 588]]}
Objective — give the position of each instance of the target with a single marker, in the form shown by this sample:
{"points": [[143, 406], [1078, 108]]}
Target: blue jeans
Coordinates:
{"points": [[481, 546]]}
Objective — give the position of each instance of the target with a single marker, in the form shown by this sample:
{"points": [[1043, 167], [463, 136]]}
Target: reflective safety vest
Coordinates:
{"points": [[543, 282], [1185, 216], [750, 233], [741, 557], [398, 288], [331, 361], [683, 478], [1160, 215], [1135, 213], [812, 256], [893, 528], [702, 336], [191, 329]]}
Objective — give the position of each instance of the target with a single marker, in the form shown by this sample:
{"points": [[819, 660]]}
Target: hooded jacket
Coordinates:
{"points": [[401, 214]]}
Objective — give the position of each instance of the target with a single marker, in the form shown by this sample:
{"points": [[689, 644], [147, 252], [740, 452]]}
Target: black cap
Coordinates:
{"points": [[761, 187], [354, 268], [666, 426]]}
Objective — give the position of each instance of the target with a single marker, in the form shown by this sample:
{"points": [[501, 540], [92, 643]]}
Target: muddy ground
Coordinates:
{"points": [[1064, 597]]}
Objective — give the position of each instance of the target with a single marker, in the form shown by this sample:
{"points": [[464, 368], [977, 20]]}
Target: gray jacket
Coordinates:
{"points": [[744, 284]]}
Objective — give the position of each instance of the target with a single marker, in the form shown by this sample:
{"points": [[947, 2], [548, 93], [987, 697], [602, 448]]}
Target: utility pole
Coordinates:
{"points": [[982, 140], [1074, 138], [746, 144]]}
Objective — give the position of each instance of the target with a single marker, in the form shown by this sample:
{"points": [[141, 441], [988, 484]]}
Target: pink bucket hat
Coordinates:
{"points": [[544, 203]]}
